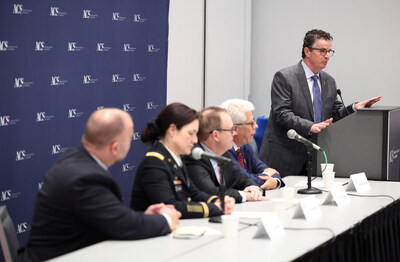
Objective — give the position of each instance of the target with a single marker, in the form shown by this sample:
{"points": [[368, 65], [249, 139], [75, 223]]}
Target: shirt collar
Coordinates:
{"points": [[213, 162], [307, 70], [98, 161], [235, 146], [177, 159]]}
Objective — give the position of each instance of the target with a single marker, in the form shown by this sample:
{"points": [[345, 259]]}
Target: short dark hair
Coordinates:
{"points": [[312, 36], [209, 121], [175, 113]]}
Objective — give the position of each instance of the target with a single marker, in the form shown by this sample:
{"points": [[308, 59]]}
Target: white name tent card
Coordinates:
{"points": [[308, 208], [270, 227], [337, 196], [359, 183]]}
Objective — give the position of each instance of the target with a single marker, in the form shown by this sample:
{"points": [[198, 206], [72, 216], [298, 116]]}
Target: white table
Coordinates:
{"points": [[292, 245]]}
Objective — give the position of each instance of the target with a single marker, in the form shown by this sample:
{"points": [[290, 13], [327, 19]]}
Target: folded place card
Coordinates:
{"points": [[308, 208], [337, 196], [270, 227], [359, 183]]}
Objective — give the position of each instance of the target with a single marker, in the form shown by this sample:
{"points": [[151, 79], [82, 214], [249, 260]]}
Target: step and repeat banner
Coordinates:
{"points": [[59, 62]]}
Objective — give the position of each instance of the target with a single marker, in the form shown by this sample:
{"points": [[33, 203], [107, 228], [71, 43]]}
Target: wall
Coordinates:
{"points": [[206, 69], [186, 53], [365, 34], [228, 42], [366, 62]]}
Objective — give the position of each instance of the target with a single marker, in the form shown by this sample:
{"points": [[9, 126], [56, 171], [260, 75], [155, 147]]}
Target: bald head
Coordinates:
{"points": [[105, 125]]}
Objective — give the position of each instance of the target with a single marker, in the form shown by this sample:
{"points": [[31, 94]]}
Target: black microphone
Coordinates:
{"points": [[292, 134], [340, 95], [198, 153]]}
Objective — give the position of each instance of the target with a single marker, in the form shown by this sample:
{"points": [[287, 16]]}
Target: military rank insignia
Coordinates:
{"points": [[178, 184]]}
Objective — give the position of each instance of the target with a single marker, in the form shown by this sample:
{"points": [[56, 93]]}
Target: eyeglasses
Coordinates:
{"points": [[224, 129], [252, 123], [323, 51]]}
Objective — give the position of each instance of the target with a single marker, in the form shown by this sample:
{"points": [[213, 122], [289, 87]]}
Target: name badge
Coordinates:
{"points": [[270, 227], [359, 183], [178, 188], [337, 196], [308, 208]]}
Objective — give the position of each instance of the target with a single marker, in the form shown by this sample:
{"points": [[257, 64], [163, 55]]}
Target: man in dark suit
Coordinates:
{"points": [[80, 203], [303, 98], [242, 153], [216, 135]]}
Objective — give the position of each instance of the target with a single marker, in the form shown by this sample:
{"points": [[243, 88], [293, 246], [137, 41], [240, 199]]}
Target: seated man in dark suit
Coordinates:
{"points": [[216, 135], [242, 153], [80, 203]]}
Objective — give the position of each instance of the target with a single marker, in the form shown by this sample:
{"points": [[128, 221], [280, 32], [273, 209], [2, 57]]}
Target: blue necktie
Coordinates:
{"points": [[317, 103]]}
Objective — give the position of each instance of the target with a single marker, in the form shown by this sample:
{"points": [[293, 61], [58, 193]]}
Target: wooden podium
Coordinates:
{"points": [[365, 141]]}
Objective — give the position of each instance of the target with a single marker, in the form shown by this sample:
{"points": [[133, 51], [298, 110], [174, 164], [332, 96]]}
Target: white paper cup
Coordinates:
{"points": [[287, 193], [230, 226], [328, 178], [329, 167]]}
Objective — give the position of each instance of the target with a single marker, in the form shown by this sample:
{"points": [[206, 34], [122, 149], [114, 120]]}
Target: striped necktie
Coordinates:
{"points": [[240, 157]]}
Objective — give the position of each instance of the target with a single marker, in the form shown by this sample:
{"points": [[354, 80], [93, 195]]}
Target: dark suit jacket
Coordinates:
{"points": [[80, 204], [253, 166], [159, 179], [292, 108], [202, 174]]}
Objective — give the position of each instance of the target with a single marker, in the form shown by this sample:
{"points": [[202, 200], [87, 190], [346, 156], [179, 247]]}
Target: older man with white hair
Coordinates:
{"points": [[241, 152]]}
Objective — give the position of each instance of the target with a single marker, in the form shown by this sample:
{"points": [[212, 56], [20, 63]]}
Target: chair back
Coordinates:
{"points": [[262, 125], [8, 236]]}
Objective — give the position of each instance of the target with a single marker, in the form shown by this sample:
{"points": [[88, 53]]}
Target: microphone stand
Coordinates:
{"points": [[341, 98], [221, 191], [309, 189]]}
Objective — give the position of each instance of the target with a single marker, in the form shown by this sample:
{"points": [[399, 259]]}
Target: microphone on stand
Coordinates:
{"points": [[292, 134], [198, 153], [341, 98]]}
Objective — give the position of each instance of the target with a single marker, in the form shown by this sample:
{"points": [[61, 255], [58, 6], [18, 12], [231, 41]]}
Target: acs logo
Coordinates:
{"points": [[5, 195], [20, 155], [22, 228], [40, 116], [18, 8], [4, 120]]}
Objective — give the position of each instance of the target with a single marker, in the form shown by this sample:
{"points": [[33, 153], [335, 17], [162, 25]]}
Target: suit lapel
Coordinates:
{"points": [[210, 167], [234, 154], [301, 77], [245, 157]]}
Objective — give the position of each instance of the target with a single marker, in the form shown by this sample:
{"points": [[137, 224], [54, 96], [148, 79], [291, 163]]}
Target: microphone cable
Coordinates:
{"points": [[326, 164], [350, 194], [313, 228], [394, 200]]}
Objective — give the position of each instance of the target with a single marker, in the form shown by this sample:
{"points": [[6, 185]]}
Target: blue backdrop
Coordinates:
{"points": [[60, 61]]}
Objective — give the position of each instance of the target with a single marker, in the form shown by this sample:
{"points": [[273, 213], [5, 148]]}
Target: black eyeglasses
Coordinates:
{"points": [[224, 129], [323, 51], [252, 123]]}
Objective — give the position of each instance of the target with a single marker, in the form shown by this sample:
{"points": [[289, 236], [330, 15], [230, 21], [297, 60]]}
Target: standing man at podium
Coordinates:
{"points": [[303, 98]]}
